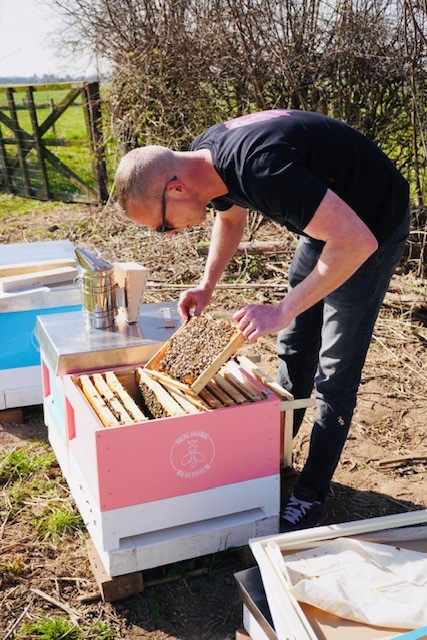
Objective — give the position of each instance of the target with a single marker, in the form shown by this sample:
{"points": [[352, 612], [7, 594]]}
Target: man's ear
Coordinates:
{"points": [[176, 185]]}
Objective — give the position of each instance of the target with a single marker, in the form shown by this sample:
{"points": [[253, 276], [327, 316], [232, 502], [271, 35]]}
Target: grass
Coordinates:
{"points": [[181, 569], [15, 566], [58, 522], [23, 206], [102, 631], [156, 608], [36, 505], [50, 629], [70, 127], [23, 493], [23, 462], [24, 472]]}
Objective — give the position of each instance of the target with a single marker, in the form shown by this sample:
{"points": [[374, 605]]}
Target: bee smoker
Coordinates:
{"points": [[109, 290]]}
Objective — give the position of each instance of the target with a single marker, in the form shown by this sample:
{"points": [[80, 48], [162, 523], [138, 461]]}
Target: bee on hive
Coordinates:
{"points": [[194, 348]]}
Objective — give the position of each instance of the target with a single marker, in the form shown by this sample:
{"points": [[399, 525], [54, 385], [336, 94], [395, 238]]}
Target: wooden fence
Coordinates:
{"points": [[29, 167]]}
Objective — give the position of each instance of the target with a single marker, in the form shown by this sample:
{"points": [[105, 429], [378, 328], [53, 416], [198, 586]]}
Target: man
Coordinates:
{"points": [[324, 180]]}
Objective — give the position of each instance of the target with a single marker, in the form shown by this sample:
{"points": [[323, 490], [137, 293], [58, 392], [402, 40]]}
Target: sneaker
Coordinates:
{"points": [[288, 472], [302, 514]]}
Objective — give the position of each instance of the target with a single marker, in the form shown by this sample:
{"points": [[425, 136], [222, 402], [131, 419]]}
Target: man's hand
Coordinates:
{"points": [[197, 298], [226, 234], [256, 320]]}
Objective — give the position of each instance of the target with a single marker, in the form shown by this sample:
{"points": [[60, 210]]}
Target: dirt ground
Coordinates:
{"points": [[383, 469]]}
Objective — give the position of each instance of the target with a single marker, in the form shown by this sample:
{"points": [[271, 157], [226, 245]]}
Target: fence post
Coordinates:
{"points": [[52, 109], [38, 142], [4, 166], [19, 141], [94, 119]]}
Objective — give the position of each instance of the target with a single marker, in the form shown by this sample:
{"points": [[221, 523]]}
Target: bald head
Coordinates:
{"points": [[141, 174]]}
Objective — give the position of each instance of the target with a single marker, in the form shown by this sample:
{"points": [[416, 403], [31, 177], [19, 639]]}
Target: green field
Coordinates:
{"points": [[67, 139]]}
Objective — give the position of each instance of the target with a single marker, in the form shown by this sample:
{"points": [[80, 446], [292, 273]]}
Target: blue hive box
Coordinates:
{"points": [[20, 373]]}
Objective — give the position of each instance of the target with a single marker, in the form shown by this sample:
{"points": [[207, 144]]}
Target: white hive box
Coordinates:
{"points": [[20, 374]]}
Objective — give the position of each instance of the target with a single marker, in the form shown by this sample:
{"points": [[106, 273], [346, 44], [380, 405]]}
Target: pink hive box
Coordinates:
{"points": [[169, 457], [171, 488], [158, 491], [164, 490]]}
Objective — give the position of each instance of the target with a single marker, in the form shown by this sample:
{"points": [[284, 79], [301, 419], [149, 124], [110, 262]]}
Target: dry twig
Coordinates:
{"points": [[401, 460], [381, 342], [18, 620], [74, 615]]}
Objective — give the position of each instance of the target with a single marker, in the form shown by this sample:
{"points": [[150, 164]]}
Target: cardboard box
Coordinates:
{"points": [[257, 620], [271, 613]]}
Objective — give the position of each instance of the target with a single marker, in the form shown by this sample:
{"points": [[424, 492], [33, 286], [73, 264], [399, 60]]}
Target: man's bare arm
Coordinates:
{"points": [[348, 244], [226, 234]]}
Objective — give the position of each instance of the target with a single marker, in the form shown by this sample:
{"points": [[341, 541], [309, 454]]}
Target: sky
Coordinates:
{"points": [[25, 28]]}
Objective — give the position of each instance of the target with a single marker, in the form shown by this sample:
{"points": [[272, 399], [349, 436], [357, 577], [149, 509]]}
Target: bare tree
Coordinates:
{"points": [[178, 66]]}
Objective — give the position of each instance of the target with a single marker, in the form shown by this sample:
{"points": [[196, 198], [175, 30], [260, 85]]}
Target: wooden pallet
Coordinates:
{"points": [[116, 588], [12, 415]]}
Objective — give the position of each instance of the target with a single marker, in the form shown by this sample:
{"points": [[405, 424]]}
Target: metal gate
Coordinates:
{"points": [[30, 128]]}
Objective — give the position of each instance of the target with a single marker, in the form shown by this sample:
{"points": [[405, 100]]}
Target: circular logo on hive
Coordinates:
{"points": [[192, 454]]}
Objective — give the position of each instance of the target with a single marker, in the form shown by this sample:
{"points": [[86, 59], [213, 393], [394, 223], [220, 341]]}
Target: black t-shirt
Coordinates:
{"points": [[282, 162]]}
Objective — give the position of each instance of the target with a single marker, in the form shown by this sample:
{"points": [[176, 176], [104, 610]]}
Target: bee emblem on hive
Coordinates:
{"points": [[192, 454], [193, 457]]}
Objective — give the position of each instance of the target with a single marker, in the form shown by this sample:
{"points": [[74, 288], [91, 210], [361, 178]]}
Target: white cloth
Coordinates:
{"points": [[377, 584]]}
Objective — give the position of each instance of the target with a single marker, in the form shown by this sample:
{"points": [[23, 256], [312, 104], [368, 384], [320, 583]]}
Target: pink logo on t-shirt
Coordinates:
{"points": [[261, 116]]}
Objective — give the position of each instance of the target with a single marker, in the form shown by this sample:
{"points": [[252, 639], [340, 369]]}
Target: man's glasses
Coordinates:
{"points": [[163, 228]]}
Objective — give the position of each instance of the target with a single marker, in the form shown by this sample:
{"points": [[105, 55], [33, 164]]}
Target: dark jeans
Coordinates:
{"points": [[326, 346]]}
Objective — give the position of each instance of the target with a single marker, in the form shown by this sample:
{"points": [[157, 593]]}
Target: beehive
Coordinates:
{"points": [[196, 352], [160, 490], [161, 397], [205, 478]]}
